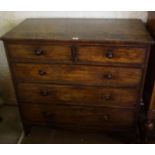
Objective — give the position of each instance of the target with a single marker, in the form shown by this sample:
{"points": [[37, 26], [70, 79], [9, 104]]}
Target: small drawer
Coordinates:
{"points": [[76, 95], [78, 74], [113, 118], [102, 54], [39, 52]]}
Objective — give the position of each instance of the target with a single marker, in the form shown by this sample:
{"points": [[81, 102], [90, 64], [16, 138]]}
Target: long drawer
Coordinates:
{"points": [[76, 95], [103, 117], [78, 74]]}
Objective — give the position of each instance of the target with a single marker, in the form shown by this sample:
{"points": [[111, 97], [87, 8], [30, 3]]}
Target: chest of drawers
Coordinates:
{"points": [[82, 73]]}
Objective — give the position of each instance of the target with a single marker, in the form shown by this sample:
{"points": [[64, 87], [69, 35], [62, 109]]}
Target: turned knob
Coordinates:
{"points": [[109, 54], [41, 72], [38, 52], [106, 117], [47, 115], [44, 93], [150, 125], [108, 97], [108, 76]]}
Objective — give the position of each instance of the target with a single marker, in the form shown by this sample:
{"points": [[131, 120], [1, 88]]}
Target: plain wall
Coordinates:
{"points": [[8, 20]]}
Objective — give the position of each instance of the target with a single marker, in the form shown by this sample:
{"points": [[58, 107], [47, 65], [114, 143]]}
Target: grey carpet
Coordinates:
{"points": [[10, 127]]}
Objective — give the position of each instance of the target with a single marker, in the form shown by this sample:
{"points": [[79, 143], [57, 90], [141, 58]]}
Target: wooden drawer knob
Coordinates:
{"points": [[107, 97], [106, 117], [149, 125], [47, 115], [108, 76], [109, 54], [44, 93], [41, 72], [38, 52]]}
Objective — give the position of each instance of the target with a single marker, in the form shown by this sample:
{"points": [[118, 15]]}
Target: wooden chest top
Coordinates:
{"points": [[81, 30]]}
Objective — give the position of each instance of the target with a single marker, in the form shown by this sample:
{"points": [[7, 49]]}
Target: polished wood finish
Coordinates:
{"points": [[76, 95], [96, 54], [79, 116], [81, 30], [40, 52], [79, 72], [110, 54]]}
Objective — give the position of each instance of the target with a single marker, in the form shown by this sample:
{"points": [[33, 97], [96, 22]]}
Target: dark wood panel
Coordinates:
{"points": [[80, 116], [76, 95], [108, 54], [78, 30], [78, 74]]}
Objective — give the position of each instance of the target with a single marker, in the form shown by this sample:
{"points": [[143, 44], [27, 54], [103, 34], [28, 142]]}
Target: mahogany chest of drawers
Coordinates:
{"points": [[79, 73]]}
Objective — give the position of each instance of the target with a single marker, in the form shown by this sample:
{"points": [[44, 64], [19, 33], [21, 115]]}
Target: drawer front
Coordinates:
{"points": [[76, 95], [39, 52], [104, 54], [103, 117], [78, 74]]}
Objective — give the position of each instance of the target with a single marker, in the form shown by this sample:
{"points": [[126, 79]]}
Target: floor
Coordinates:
{"points": [[11, 133], [44, 135], [10, 126]]}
